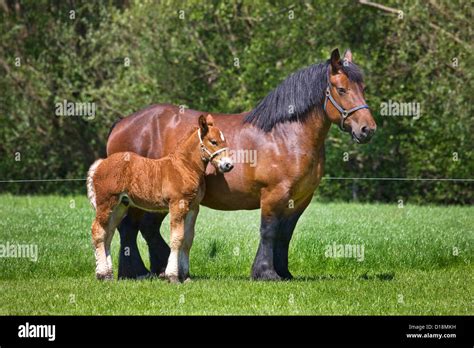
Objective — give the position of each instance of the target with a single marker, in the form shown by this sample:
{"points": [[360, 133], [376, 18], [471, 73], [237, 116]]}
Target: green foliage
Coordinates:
{"points": [[224, 57]]}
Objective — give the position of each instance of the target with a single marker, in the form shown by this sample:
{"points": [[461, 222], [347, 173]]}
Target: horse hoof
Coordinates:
{"points": [[266, 275], [286, 276], [136, 276], [145, 276], [128, 270], [188, 280], [162, 275]]}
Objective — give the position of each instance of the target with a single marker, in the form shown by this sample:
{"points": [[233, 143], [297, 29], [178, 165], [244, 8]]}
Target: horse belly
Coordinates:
{"points": [[231, 202], [225, 193]]}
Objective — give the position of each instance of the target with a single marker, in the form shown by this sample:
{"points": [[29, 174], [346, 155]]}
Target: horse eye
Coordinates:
{"points": [[213, 142], [341, 90]]}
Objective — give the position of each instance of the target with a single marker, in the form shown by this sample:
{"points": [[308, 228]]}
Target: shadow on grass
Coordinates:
{"points": [[321, 277], [220, 277], [385, 276]]}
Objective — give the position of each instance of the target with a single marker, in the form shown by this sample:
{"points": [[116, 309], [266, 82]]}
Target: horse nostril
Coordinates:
{"points": [[229, 166], [364, 130]]}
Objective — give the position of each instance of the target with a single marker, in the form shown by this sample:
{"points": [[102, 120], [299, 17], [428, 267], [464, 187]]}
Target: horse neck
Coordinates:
{"points": [[188, 153], [319, 125], [310, 134]]}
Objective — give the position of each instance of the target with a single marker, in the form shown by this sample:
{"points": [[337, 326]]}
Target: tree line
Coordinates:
{"points": [[224, 56]]}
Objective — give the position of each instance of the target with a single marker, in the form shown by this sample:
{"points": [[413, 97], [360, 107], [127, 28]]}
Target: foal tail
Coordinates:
{"points": [[90, 182]]}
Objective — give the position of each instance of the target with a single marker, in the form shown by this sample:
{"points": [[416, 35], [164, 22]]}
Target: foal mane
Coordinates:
{"points": [[297, 95], [184, 137]]}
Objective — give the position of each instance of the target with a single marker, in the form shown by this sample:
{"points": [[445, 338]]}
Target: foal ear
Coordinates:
{"points": [[336, 61], [210, 120], [203, 125]]}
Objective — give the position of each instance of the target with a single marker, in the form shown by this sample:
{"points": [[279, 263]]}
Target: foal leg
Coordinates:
{"points": [[189, 224], [99, 235], [177, 217], [115, 217], [159, 251]]}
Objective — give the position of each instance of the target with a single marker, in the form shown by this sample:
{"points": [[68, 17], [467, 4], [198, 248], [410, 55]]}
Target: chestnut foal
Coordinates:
{"points": [[173, 184]]}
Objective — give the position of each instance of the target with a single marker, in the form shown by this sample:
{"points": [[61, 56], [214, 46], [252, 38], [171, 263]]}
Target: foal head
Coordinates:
{"points": [[345, 99], [213, 145]]}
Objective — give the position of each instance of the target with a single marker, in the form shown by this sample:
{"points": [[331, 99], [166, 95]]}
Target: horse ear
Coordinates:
{"points": [[335, 61], [203, 125], [347, 56], [210, 120]]}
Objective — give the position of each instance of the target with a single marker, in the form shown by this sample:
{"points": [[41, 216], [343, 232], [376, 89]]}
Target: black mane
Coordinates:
{"points": [[302, 91]]}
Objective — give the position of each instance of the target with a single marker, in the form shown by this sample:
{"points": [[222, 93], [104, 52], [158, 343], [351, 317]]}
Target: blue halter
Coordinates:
{"points": [[344, 113]]}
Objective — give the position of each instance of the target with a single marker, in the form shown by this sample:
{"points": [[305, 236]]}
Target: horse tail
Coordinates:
{"points": [[90, 183]]}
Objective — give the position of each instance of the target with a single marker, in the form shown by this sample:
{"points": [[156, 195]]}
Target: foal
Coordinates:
{"points": [[174, 184]]}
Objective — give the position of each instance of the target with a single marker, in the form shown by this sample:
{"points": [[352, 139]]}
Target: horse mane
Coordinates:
{"points": [[301, 91]]}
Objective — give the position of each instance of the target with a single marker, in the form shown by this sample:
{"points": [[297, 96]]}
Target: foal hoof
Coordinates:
{"points": [[172, 279], [105, 276]]}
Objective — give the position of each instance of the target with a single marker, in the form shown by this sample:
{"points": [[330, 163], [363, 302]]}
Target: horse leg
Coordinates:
{"points": [[273, 205], [189, 224], [130, 261], [263, 268], [158, 249], [282, 241], [282, 244], [285, 231]]}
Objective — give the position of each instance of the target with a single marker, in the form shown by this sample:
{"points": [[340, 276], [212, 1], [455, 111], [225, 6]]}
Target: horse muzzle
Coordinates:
{"points": [[363, 134]]}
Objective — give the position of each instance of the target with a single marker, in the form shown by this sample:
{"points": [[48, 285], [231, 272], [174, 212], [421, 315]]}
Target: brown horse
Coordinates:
{"points": [[173, 184], [286, 130]]}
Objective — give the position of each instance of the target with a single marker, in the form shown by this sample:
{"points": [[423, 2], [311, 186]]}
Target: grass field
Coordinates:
{"points": [[417, 260]]}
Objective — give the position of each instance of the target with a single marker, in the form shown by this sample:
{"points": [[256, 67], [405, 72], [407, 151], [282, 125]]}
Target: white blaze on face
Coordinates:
{"points": [[226, 160], [222, 137]]}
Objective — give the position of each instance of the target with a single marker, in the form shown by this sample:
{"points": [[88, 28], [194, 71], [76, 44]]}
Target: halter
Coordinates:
{"points": [[344, 113], [206, 150]]}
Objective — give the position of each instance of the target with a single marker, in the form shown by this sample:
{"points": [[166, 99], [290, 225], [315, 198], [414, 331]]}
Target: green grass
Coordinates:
{"points": [[409, 266]]}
